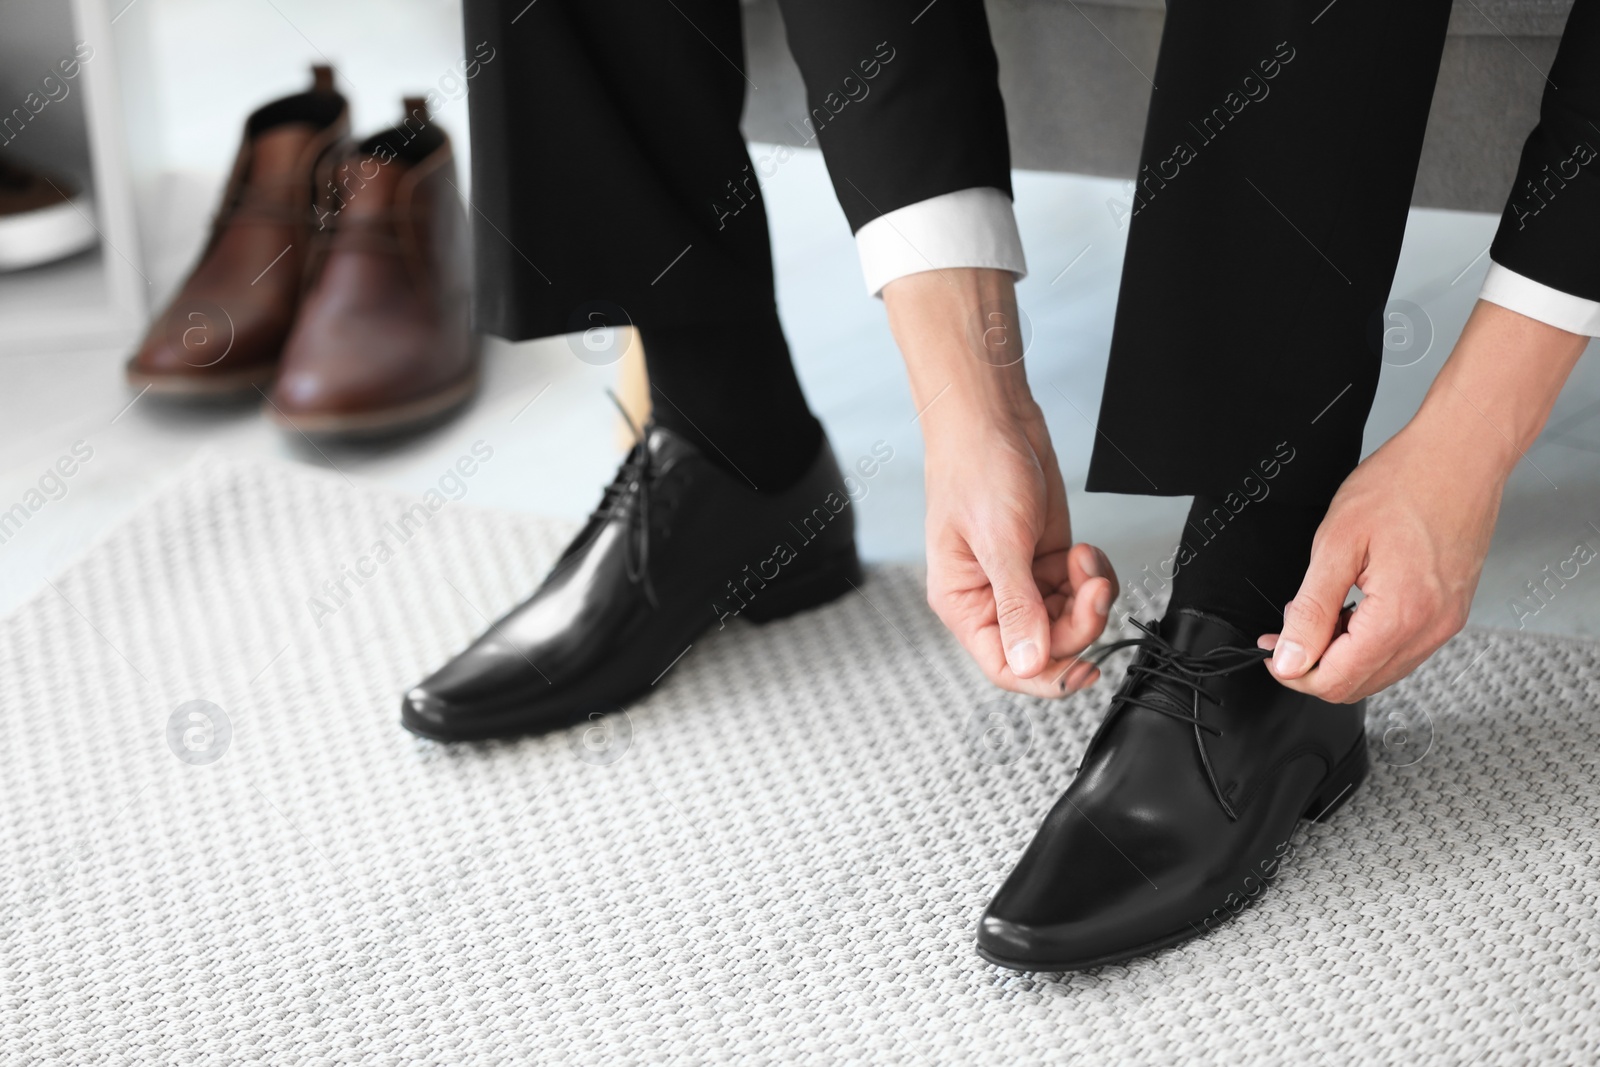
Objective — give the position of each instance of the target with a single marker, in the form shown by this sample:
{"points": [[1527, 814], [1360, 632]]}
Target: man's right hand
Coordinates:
{"points": [[1003, 572]]}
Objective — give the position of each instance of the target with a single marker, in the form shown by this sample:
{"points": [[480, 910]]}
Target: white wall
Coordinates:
{"points": [[192, 70], [213, 61]]}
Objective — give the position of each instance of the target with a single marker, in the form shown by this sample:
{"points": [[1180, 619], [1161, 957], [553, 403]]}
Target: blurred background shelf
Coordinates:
{"points": [[70, 126]]}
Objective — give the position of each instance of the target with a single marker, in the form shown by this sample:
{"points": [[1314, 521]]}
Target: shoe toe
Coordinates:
{"points": [[424, 713], [1007, 940], [469, 696], [211, 342], [311, 390], [1076, 898], [1028, 935], [157, 356], [1065, 945]]}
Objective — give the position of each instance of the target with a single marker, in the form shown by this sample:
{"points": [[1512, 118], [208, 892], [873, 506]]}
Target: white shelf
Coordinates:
{"points": [[98, 298]]}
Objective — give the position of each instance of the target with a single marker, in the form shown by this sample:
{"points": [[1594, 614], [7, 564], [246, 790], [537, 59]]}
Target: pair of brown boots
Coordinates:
{"points": [[336, 276]]}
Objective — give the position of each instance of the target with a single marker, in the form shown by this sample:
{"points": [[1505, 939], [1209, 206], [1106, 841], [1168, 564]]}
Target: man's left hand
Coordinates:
{"points": [[1410, 527]]}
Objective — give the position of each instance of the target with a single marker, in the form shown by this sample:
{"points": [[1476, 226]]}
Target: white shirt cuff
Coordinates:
{"points": [[1519, 293], [966, 228]]}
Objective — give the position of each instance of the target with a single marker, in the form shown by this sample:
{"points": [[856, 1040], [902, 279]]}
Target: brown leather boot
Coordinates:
{"points": [[384, 340], [222, 334]]}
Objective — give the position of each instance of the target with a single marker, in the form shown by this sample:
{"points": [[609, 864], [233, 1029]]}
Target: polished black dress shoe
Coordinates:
{"points": [[1183, 808], [677, 546]]}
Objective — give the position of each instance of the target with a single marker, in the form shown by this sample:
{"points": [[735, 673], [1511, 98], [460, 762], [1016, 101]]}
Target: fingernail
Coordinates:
{"points": [[1289, 659], [1102, 602], [1094, 568], [1105, 564], [1022, 654]]}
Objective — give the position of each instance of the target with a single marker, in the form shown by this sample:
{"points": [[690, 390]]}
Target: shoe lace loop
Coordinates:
{"points": [[1188, 671], [633, 483]]}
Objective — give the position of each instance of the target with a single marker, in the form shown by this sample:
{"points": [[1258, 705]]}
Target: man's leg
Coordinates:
{"points": [[1415, 520], [1271, 199], [611, 179], [1272, 194], [606, 157]]}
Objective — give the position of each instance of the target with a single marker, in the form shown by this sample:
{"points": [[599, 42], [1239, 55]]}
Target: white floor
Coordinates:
{"points": [[555, 436]]}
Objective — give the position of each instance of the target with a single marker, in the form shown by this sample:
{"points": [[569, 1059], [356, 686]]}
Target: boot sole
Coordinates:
{"points": [[837, 575], [202, 388], [1334, 793], [385, 422]]}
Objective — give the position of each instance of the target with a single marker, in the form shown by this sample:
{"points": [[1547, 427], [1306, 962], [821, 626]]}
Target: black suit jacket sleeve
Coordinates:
{"points": [[1550, 231]]}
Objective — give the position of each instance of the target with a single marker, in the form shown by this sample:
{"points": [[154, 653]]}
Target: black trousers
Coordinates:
{"points": [[1278, 162], [608, 165], [1278, 165]]}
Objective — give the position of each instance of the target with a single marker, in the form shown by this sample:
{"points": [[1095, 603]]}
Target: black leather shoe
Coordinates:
{"points": [[1182, 810], [677, 546]]}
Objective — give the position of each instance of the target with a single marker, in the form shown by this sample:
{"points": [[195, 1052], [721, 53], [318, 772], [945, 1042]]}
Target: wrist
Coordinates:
{"points": [[1453, 428], [961, 336], [1494, 394], [955, 385]]}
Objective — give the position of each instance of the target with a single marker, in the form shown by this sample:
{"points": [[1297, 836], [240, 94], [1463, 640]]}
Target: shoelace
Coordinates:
{"points": [[1167, 662], [633, 482]]}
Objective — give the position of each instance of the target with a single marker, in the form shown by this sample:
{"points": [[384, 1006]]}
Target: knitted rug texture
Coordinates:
{"points": [[221, 847]]}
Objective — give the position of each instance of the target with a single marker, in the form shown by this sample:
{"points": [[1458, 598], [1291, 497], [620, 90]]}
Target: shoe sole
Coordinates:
{"points": [[386, 422], [838, 575], [1334, 793], [203, 388]]}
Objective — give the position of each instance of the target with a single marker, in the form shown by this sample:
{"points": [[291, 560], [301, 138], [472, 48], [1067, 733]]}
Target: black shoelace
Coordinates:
{"points": [[1164, 661], [633, 483]]}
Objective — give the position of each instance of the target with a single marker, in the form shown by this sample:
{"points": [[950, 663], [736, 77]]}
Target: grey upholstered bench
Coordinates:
{"points": [[1074, 76]]}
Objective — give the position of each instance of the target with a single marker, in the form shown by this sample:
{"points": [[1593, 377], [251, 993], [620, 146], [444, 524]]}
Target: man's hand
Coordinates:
{"points": [[1003, 572], [1412, 524], [1411, 527]]}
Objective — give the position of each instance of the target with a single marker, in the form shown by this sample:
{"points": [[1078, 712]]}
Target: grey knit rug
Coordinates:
{"points": [[778, 856]]}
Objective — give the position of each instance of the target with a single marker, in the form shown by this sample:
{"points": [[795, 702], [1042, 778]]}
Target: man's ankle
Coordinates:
{"points": [[1243, 563]]}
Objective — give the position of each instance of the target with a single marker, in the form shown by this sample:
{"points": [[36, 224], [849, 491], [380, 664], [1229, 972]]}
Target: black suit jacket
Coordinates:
{"points": [[1550, 230]]}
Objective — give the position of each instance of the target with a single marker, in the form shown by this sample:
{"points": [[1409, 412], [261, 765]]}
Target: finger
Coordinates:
{"points": [[1341, 674], [1078, 627], [975, 628], [1071, 675], [1270, 641], [1394, 649], [1085, 561], [1080, 617], [1312, 616], [1019, 607], [1057, 679], [1355, 656]]}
